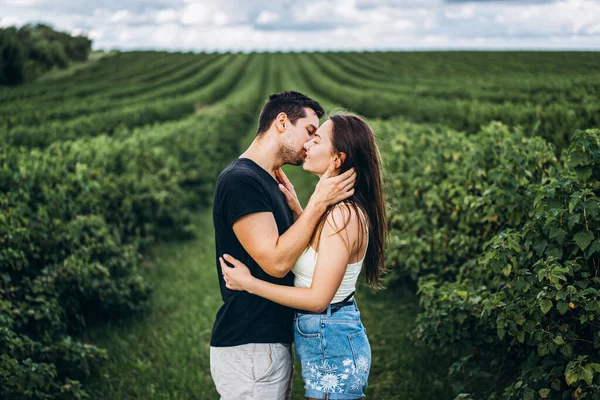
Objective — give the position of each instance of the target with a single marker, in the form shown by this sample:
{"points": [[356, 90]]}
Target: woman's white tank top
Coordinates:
{"points": [[304, 270]]}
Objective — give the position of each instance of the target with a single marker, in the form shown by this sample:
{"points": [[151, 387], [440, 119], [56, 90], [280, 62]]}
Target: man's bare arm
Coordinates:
{"points": [[276, 254]]}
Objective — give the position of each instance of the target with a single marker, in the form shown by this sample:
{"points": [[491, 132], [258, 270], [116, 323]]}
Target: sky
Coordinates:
{"points": [[305, 25]]}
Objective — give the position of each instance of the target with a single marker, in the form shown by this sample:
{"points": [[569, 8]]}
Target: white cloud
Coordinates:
{"points": [[168, 15], [595, 29], [561, 18], [463, 12], [22, 3], [404, 24], [337, 12], [119, 16], [195, 13], [198, 14], [95, 35], [267, 17], [10, 20], [317, 24], [220, 18]]}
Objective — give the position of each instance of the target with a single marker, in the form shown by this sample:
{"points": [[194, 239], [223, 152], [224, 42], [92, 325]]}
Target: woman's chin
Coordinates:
{"points": [[310, 168]]}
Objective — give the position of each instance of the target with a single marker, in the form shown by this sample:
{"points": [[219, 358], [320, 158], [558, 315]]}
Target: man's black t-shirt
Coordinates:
{"points": [[244, 188]]}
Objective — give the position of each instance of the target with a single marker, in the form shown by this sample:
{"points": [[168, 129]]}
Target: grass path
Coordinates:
{"points": [[164, 352]]}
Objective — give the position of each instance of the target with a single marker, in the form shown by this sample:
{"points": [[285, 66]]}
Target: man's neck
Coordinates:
{"points": [[264, 154]]}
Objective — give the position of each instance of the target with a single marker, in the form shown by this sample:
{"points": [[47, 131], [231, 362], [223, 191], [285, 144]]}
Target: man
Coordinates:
{"points": [[250, 354]]}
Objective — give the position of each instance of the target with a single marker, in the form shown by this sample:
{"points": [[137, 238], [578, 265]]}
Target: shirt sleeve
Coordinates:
{"points": [[243, 194]]}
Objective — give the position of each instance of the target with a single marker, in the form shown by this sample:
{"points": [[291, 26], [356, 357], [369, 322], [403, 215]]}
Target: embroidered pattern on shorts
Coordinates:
{"points": [[329, 378]]}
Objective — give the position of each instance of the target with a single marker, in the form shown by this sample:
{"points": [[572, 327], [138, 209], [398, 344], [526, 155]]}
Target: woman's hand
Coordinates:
{"points": [[237, 278], [290, 194]]}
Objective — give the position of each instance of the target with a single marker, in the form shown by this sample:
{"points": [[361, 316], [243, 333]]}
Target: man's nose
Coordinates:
{"points": [[308, 145]]}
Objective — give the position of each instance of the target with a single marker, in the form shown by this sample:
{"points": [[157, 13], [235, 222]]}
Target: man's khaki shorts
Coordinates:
{"points": [[253, 371]]}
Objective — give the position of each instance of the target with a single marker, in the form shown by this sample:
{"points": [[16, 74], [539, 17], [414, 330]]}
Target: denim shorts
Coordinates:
{"points": [[334, 353]]}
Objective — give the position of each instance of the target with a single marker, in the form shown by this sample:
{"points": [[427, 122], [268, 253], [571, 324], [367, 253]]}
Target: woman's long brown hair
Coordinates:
{"points": [[354, 137]]}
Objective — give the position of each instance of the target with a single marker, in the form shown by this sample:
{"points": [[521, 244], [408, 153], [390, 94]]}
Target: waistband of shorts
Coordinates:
{"points": [[332, 308]]}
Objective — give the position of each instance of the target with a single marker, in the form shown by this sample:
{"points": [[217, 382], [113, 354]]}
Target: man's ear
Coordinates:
{"points": [[281, 121]]}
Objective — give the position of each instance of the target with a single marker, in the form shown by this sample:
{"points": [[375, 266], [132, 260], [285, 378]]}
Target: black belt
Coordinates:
{"points": [[334, 306]]}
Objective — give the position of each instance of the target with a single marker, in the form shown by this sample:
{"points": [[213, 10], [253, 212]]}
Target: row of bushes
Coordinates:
{"points": [[108, 71], [506, 88], [29, 51], [214, 83], [189, 78], [554, 120], [461, 191], [76, 216], [504, 241]]}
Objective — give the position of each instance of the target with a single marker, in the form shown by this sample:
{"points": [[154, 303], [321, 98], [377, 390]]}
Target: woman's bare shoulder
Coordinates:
{"points": [[344, 218]]}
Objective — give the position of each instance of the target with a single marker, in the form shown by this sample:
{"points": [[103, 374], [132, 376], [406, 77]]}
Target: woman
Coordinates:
{"points": [[330, 339]]}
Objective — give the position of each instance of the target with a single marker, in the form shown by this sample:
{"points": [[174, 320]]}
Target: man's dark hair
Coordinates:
{"points": [[290, 102]]}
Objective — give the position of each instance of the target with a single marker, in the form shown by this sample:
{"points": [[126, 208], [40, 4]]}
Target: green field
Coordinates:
{"points": [[492, 170]]}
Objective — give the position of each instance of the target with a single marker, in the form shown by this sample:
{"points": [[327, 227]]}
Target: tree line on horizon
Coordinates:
{"points": [[29, 51]]}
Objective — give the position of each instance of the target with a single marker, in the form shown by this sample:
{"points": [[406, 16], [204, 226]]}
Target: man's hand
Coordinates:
{"points": [[331, 190]]}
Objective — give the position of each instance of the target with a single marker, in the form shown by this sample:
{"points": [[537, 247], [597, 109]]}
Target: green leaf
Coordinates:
{"points": [[544, 393], [548, 221], [592, 207], [594, 248], [539, 245], [571, 376], [575, 199], [529, 326], [573, 219], [594, 366], [562, 307], [587, 374], [554, 251], [545, 305], [577, 158], [572, 289], [559, 340], [567, 350], [558, 234], [583, 239], [501, 333], [556, 277], [506, 270], [518, 384]]}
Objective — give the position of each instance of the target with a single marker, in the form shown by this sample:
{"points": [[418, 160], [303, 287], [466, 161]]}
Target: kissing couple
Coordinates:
{"points": [[288, 274]]}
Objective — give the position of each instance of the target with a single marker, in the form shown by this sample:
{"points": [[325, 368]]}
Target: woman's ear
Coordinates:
{"points": [[339, 159]]}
